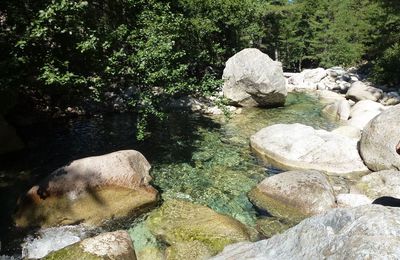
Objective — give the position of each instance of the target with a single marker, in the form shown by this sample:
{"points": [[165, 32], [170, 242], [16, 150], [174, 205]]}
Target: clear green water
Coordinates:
{"points": [[200, 159], [221, 170]]}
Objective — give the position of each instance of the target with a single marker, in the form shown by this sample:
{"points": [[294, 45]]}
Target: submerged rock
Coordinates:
{"points": [[294, 195], [178, 222], [269, 227], [194, 250], [90, 190], [380, 139], [251, 78], [365, 232], [301, 147], [112, 245]]}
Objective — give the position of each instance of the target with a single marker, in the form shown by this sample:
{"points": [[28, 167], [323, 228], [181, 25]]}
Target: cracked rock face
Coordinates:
{"points": [[365, 232], [252, 78], [301, 147]]}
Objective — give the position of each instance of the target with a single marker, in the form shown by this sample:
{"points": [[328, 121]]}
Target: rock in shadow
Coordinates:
{"points": [[387, 201]]}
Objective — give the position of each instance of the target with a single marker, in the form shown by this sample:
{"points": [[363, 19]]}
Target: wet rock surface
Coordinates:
{"points": [[294, 195], [178, 222]]}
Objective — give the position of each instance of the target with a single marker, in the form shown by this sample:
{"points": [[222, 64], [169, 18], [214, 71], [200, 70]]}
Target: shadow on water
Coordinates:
{"points": [[53, 144]]}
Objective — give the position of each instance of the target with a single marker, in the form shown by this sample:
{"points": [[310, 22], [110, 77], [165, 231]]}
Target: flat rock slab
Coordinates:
{"points": [[301, 147], [365, 232]]}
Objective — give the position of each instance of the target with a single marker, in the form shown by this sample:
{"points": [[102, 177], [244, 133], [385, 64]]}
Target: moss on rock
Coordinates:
{"points": [[106, 246], [269, 227], [178, 221], [188, 250], [276, 207]]}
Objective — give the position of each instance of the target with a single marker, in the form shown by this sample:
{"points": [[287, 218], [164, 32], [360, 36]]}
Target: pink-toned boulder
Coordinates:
{"points": [[90, 190]]}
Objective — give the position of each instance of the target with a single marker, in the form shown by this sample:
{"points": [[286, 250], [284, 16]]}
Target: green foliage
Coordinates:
{"points": [[63, 53], [387, 67], [384, 50]]}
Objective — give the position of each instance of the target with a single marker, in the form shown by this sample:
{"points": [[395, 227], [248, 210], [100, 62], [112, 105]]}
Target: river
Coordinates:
{"points": [[202, 159]]}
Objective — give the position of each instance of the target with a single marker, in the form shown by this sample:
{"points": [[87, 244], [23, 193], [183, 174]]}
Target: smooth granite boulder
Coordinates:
{"points": [[294, 195], [379, 144], [91, 190], [251, 78], [365, 232], [360, 91], [379, 184]]}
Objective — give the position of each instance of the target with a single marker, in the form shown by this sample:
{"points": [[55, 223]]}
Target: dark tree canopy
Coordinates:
{"points": [[62, 53]]}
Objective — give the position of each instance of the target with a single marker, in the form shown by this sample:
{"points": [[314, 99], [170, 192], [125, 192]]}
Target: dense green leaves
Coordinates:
{"points": [[64, 53]]}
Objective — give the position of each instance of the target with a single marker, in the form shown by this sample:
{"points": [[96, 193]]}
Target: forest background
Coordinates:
{"points": [[57, 54]]}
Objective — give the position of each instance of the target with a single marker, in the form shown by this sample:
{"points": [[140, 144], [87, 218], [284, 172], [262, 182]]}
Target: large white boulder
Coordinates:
{"points": [[365, 232], [251, 78], [379, 144], [363, 112]]}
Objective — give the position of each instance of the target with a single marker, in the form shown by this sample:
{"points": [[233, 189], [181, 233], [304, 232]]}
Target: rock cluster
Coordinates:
{"points": [[347, 96]]}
